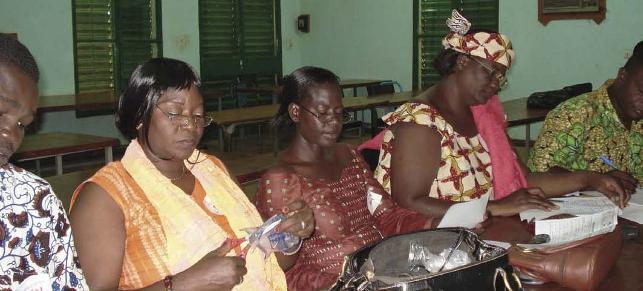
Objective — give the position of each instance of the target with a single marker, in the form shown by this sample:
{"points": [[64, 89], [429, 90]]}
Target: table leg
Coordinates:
{"points": [[38, 166], [59, 165], [221, 141], [373, 120], [527, 138], [275, 145], [219, 105], [109, 154]]}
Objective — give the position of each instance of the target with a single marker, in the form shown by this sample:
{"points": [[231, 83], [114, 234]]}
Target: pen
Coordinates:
{"points": [[608, 162]]}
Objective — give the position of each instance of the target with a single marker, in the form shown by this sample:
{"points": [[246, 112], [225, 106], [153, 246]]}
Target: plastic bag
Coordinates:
{"points": [[269, 241]]}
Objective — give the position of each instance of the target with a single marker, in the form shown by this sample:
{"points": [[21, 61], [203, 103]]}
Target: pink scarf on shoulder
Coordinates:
{"points": [[508, 176]]}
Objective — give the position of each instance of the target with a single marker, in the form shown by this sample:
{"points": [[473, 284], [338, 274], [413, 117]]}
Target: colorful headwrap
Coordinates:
{"points": [[495, 47]]}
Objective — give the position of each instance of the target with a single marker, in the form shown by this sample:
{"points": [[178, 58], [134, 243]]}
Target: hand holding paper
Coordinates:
{"points": [[466, 214]]}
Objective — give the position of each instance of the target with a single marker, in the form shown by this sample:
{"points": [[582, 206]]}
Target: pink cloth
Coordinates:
{"points": [[508, 176], [374, 143], [490, 121]]}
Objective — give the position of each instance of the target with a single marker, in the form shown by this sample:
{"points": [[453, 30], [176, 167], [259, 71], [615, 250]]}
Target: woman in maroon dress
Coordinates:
{"points": [[349, 208]]}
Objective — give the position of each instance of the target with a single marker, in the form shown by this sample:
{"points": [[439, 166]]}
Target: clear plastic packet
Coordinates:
{"points": [[269, 241], [421, 257]]}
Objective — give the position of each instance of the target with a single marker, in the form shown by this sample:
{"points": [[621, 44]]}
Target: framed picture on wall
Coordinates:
{"points": [[549, 10]]}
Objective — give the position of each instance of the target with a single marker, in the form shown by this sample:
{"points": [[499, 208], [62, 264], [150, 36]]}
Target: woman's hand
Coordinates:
{"points": [[616, 185], [520, 200], [482, 226], [215, 271], [300, 220]]}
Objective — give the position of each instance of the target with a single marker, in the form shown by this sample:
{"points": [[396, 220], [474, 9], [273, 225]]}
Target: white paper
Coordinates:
{"points": [[466, 214], [634, 209], [637, 197], [580, 205], [373, 200], [577, 228]]}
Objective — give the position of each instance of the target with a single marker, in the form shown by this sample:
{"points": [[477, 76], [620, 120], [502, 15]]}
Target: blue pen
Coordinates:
{"points": [[608, 162]]}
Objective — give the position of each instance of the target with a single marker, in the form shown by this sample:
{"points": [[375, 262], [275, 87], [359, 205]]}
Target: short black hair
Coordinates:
{"points": [[297, 87], [146, 85], [14, 53], [635, 61]]}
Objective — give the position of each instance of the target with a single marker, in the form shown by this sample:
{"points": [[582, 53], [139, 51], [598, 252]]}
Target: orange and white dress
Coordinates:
{"points": [[169, 231], [465, 165]]}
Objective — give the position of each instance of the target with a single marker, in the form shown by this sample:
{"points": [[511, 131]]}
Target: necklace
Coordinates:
{"points": [[179, 176]]}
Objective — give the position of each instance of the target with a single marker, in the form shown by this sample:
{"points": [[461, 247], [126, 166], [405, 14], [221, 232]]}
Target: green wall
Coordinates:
{"points": [[567, 52], [355, 39], [360, 39]]}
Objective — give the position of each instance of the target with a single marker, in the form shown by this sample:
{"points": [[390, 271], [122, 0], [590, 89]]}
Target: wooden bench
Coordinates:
{"points": [[57, 144]]}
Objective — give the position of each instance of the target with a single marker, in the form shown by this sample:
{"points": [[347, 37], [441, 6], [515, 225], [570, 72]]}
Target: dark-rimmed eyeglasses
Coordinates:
{"points": [[502, 79], [184, 120], [328, 116]]}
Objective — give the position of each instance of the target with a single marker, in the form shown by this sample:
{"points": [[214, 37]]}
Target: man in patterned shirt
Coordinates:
{"points": [[606, 122], [36, 245]]}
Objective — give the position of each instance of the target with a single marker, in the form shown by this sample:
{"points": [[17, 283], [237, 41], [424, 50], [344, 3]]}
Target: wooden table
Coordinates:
{"points": [[276, 90], [217, 95], [627, 274], [226, 120], [356, 83], [518, 114], [85, 101], [57, 144]]}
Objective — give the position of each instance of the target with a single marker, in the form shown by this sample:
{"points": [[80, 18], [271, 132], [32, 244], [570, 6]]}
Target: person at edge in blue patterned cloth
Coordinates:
{"points": [[35, 237]]}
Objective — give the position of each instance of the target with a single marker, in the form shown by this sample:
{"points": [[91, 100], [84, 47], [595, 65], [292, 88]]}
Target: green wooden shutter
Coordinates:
{"points": [[483, 14], [219, 40], [137, 36], [260, 50], [239, 37], [430, 28], [111, 38], [94, 45]]}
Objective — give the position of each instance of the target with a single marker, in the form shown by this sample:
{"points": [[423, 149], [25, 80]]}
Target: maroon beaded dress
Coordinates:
{"points": [[343, 221]]}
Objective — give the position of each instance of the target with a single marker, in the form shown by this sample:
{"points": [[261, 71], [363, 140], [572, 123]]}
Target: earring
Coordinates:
{"points": [[138, 127]]}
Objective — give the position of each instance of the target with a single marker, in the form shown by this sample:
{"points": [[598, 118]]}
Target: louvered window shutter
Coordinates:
{"points": [[94, 45], [111, 38], [239, 37], [430, 28], [137, 36]]}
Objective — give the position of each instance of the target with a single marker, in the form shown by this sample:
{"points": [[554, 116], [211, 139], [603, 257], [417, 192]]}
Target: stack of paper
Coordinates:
{"points": [[634, 209], [571, 205], [593, 216]]}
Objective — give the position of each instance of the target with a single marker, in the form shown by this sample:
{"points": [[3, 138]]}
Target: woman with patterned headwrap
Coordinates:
{"points": [[450, 144]]}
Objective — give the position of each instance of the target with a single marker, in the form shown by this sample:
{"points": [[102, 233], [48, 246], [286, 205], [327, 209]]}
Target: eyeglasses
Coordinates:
{"points": [[327, 116], [184, 120], [502, 79]]}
